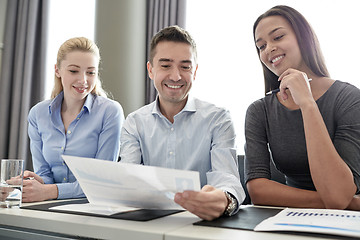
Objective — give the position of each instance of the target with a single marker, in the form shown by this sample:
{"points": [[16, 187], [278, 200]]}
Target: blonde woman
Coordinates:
{"points": [[78, 120]]}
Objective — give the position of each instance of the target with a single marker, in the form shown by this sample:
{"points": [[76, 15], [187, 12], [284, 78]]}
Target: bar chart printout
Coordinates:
{"points": [[324, 221]]}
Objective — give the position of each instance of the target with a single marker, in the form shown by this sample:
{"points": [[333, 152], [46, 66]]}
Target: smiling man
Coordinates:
{"points": [[181, 132]]}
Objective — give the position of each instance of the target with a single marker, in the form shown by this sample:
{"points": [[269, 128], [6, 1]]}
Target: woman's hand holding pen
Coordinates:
{"points": [[297, 84]]}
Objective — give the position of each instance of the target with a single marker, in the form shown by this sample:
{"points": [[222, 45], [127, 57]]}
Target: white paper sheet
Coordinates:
{"points": [[91, 208], [326, 221], [115, 184]]}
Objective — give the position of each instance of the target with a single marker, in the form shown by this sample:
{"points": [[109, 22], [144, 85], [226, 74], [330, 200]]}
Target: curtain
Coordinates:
{"points": [[22, 76], [160, 14]]}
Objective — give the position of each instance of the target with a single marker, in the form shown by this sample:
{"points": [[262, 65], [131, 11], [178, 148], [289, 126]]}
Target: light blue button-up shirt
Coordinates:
{"points": [[202, 139], [95, 133]]}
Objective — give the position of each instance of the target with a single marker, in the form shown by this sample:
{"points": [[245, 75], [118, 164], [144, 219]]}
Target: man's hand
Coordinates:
{"points": [[208, 204]]}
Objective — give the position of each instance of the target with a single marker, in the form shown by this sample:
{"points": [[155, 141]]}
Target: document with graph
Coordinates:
{"points": [[325, 221], [116, 185]]}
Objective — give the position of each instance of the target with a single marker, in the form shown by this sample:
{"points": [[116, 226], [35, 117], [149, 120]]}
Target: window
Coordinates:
{"points": [[230, 73], [67, 19]]}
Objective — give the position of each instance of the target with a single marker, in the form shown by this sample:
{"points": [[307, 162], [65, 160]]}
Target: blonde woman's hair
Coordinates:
{"points": [[77, 44]]}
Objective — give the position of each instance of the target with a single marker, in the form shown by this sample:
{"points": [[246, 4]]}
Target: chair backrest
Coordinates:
{"points": [[276, 175], [241, 163]]}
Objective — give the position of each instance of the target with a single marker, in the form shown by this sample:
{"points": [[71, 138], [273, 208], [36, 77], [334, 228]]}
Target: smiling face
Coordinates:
{"points": [[278, 46], [78, 73], [173, 70]]}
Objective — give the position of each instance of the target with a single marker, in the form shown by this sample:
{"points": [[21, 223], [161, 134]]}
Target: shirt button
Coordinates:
{"points": [[62, 148], [77, 118], [172, 129], [69, 132], [171, 153], [63, 164], [64, 179]]}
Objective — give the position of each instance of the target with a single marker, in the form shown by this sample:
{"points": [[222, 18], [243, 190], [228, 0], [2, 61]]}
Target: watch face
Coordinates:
{"points": [[231, 206]]}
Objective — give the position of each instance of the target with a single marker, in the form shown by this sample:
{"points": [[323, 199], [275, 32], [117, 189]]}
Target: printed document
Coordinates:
{"points": [[325, 221], [118, 185]]}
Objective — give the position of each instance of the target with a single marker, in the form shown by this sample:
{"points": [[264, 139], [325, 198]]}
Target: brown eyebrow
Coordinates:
{"points": [[271, 32], [170, 60], [165, 60], [186, 61], [74, 65]]}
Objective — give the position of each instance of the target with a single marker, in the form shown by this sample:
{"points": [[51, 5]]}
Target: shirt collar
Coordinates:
{"points": [[89, 102], [189, 106], [57, 101]]}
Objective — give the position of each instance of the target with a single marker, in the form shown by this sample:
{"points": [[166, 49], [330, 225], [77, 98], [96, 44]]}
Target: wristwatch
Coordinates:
{"points": [[232, 204]]}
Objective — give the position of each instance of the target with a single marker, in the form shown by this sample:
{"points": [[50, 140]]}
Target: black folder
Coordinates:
{"points": [[246, 218], [137, 215]]}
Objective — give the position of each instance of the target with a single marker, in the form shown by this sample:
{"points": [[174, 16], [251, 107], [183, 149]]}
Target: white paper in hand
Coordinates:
{"points": [[122, 184]]}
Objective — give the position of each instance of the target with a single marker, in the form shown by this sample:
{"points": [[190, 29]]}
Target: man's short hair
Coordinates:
{"points": [[172, 34]]}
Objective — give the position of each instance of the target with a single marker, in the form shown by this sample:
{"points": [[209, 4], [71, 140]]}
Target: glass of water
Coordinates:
{"points": [[11, 184]]}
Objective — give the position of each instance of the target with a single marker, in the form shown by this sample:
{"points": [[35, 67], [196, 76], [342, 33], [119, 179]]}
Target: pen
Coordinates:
{"points": [[273, 91], [278, 89]]}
